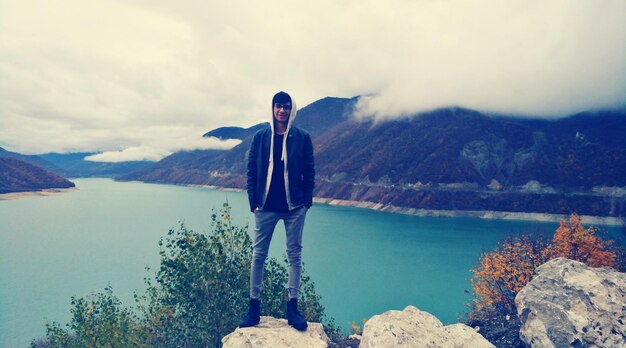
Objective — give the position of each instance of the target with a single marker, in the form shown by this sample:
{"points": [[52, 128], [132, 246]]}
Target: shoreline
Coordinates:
{"points": [[44, 192], [219, 188], [481, 214]]}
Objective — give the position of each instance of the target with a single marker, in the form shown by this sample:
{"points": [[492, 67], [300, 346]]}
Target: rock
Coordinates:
{"points": [[495, 185], [276, 333], [355, 337], [568, 304], [414, 328]]}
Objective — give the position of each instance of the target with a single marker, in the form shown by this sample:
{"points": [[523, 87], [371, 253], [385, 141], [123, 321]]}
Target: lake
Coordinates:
{"points": [[363, 262]]}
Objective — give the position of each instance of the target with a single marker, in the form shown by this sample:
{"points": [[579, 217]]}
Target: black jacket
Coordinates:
{"points": [[300, 168]]}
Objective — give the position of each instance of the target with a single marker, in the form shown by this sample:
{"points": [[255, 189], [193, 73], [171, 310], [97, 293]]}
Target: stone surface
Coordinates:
{"points": [[568, 304], [414, 328], [276, 333]]}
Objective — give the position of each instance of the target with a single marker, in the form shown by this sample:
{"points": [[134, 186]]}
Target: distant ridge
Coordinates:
{"points": [[226, 168], [34, 159], [448, 159], [224, 133], [74, 165], [20, 176]]}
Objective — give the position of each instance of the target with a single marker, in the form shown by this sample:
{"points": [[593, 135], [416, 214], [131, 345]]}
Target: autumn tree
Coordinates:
{"points": [[501, 273], [496, 280], [573, 241]]}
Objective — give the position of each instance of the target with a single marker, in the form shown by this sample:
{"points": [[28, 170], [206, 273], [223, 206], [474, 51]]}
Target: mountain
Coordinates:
{"points": [[459, 159], [324, 114], [227, 168], [446, 159], [34, 159], [183, 167], [460, 146], [224, 133], [75, 165], [20, 176]]}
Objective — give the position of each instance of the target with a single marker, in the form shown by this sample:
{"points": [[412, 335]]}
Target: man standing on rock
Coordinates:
{"points": [[281, 176]]}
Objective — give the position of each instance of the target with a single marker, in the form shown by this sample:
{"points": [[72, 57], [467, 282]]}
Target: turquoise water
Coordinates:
{"points": [[363, 262]]}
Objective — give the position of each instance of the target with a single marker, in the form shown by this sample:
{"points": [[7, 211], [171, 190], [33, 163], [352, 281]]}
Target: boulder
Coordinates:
{"points": [[414, 328], [276, 333], [568, 304]]}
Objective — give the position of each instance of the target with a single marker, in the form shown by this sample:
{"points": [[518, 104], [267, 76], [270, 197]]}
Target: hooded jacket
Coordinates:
{"points": [[299, 165]]}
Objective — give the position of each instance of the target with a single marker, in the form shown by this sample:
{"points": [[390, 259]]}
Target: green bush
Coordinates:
{"points": [[198, 295], [201, 286], [97, 321]]}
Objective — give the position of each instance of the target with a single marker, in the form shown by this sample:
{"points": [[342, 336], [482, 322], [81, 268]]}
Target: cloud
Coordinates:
{"points": [[157, 150], [135, 153], [546, 59], [96, 75]]}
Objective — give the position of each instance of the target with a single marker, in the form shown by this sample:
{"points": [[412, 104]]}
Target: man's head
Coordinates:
{"points": [[281, 104]]}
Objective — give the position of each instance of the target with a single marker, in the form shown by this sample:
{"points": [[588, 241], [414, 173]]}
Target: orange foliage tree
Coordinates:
{"points": [[573, 241], [503, 272], [500, 274]]}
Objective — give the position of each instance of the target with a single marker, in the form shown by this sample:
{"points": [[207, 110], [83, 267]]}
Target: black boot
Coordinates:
{"points": [[253, 316], [294, 318]]}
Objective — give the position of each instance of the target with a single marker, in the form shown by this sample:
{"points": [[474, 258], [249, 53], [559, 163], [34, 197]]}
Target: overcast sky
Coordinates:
{"points": [[138, 79]]}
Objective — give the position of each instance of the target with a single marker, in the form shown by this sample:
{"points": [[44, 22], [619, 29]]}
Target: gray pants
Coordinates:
{"points": [[265, 223]]}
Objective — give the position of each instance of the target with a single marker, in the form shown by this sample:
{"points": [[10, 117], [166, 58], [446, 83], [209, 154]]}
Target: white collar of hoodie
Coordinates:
{"points": [[283, 156]]}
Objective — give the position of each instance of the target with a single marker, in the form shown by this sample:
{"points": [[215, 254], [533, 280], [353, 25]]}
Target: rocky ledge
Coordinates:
{"points": [[276, 333], [414, 328], [568, 304], [408, 328]]}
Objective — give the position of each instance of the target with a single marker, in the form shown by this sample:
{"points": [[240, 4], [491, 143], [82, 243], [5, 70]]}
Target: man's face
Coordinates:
{"points": [[282, 112]]}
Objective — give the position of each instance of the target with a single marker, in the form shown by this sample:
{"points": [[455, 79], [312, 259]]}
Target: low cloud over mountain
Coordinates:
{"points": [[94, 76]]}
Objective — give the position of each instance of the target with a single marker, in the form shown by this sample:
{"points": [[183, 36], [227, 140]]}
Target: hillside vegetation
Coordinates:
{"points": [[450, 159], [20, 176]]}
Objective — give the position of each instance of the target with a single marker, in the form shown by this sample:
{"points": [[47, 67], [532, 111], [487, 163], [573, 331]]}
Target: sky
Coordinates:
{"points": [[140, 79]]}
